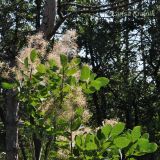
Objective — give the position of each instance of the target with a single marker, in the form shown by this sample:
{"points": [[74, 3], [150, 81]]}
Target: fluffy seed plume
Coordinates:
{"points": [[66, 45], [72, 101], [112, 122], [34, 42]]}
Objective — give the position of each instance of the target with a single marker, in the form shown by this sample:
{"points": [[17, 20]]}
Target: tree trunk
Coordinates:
{"points": [[98, 110], [37, 147], [48, 21], [38, 13], [11, 126]]}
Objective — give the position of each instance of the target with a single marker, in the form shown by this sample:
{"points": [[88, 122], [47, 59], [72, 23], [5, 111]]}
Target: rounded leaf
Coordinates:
{"points": [[106, 130], [90, 142], [41, 68], [121, 142], [85, 73], [143, 144], [71, 71], [152, 147], [145, 135], [136, 133], [96, 84], [103, 80], [76, 124], [117, 129]]}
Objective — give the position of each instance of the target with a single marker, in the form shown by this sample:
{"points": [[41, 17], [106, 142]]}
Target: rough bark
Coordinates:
{"points": [[48, 21], [95, 95], [37, 147], [98, 110], [2, 115], [38, 13], [11, 126], [126, 74]]}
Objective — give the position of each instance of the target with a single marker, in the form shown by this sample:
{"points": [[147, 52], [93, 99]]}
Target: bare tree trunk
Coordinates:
{"points": [[128, 112], [38, 13], [11, 126], [37, 147], [48, 21]]}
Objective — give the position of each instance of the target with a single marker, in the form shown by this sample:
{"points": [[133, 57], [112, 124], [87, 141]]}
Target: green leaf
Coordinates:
{"points": [[64, 60], [145, 135], [76, 124], [85, 73], [71, 71], [6, 85], [117, 129], [62, 144], [121, 142], [49, 129], [90, 142], [92, 76], [79, 111], [100, 135], [76, 61], [136, 133], [145, 147], [73, 81], [96, 84], [26, 63], [66, 88], [78, 141], [99, 82], [152, 147], [105, 145], [34, 103], [132, 149], [33, 55], [106, 130], [103, 80], [41, 68], [52, 63], [89, 90], [143, 144]]}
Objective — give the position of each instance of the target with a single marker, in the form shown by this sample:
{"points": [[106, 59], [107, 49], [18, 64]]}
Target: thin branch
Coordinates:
{"points": [[57, 25], [94, 11], [95, 7]]}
